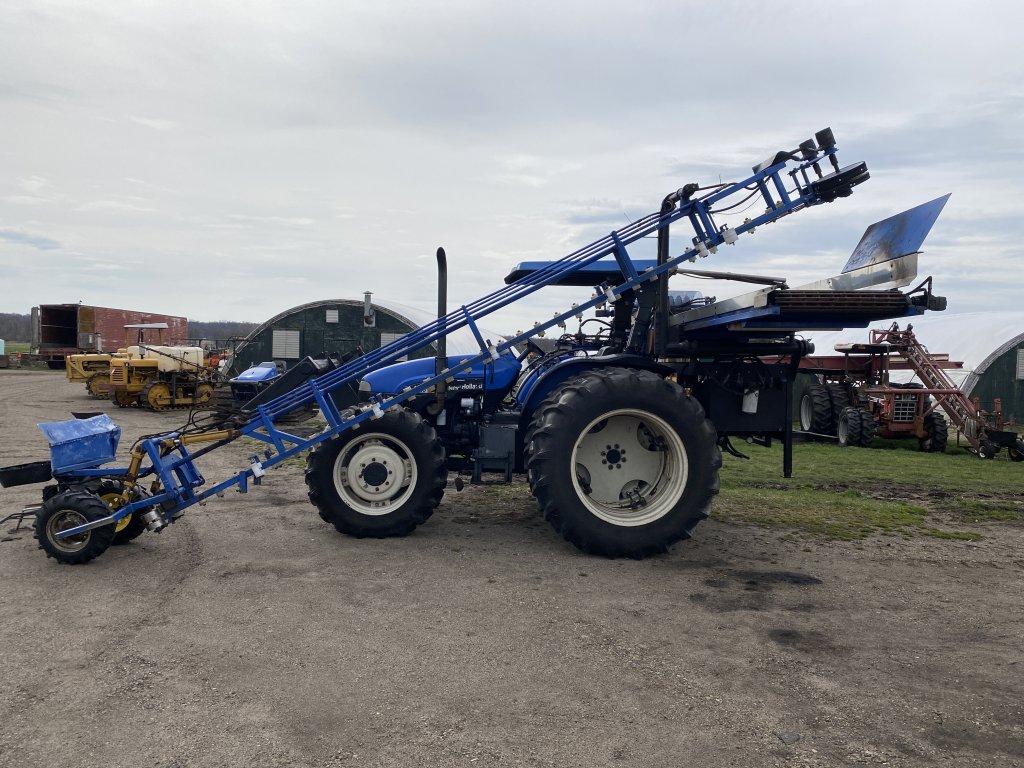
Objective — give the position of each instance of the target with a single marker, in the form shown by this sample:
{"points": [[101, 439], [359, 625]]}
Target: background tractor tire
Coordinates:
{"points": [[816, 410], [67, 510], [1016, 451], [380, 480], [644, 418], [848, 427], [937, 433], [839, 396], [867, 428]]}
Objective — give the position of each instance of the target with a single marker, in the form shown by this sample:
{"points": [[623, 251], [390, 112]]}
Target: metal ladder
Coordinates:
{"points": [[961, 411]]}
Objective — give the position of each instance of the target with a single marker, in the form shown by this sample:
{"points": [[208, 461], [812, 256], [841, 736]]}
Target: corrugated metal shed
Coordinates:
{"points": [[336, 325]]}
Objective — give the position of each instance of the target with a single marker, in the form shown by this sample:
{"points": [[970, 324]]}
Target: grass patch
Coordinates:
{"points": [[12, 347], [850, 494]]}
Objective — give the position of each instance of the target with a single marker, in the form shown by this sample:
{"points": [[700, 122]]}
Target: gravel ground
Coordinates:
{"points": [[251, 634]]}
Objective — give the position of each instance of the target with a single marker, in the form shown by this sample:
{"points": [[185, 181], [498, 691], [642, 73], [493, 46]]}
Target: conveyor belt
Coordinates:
{"points": [[874, 303]]}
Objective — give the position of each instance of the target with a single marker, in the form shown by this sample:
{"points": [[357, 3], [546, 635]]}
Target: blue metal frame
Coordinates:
{"points": [[179, 476]]}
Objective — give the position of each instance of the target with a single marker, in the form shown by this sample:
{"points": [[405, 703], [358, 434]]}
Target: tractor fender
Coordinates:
{"points": [[532, 394]]}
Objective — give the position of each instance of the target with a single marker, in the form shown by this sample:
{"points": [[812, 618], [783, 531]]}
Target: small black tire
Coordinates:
{"points": [[575, 410], [987, 449], [936, 433], [399, 431], [816, 410], [67, 510], [848, 428]]}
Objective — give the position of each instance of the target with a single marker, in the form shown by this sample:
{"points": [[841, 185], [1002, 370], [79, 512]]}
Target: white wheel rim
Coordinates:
{"points": [[806, 413], [375, 474], [629, 467]]}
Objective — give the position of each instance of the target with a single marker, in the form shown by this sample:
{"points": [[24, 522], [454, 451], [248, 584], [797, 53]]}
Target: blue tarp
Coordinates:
{"points": [[81, 443]]}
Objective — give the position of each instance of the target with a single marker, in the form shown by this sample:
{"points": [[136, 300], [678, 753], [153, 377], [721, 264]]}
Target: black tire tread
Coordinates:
{"points": [[550, 419], [822, 421], [320, 461], [94, 508]]}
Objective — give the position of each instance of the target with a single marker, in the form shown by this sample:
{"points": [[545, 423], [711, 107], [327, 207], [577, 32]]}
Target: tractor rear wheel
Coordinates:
{"points": [[816, 410], [67, 510], [381, 479], [98, 385], [622, 462], [936, 433]]}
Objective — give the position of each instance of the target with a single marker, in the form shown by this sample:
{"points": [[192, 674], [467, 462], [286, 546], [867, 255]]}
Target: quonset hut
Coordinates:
{"points": [[989, 344], [336, 326]]}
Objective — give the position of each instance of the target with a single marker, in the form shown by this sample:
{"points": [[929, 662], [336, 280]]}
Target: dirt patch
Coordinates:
{"points": [[251, 633]]}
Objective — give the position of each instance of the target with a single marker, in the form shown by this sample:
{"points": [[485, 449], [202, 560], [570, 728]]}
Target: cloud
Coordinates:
{"points": [[155, 123], [341, 142], [24, 238]]}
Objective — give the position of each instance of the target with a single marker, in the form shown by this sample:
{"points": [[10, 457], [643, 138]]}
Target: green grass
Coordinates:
{"points": [[854, 493], [11, 347]]}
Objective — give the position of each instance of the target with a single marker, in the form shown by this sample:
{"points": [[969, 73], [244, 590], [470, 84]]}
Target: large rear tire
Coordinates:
{"points": [[839, 396], [379, 480], [816, 410], [622, 462]]}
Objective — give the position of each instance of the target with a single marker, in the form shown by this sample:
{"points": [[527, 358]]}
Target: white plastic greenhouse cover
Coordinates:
{"points": [[974, 338]]}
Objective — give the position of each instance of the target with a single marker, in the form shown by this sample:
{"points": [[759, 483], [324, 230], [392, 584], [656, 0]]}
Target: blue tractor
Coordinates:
{"points": [[619, 424]]}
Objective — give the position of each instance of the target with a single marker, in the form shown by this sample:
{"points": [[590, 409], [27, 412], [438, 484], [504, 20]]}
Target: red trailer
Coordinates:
{"points": [[59, 330]]}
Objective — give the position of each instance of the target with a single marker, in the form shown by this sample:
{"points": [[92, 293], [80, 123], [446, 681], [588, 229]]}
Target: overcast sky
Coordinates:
{"points": [[228, 160]]}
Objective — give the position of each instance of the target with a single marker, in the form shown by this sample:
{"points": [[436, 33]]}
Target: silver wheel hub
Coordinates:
{"points": [[375, 475], [630, 467], [64, 520]]}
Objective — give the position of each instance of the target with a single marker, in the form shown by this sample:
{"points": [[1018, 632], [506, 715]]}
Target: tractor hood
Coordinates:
{"points": [[261, 372], [498, 374]]}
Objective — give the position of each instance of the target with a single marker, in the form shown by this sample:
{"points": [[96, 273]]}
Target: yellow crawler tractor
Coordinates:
{"points": [[93, 369], [159, 378]]}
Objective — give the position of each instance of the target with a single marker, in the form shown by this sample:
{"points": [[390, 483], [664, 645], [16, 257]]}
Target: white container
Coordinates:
{"points": [[171, 359]]}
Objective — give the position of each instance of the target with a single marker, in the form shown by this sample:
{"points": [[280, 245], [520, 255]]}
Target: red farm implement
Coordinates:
{"points": [[855, 400]]}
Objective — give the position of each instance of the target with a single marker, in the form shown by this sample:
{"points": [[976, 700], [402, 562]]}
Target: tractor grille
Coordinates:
{"points": [[904, 408], [119, 375]]}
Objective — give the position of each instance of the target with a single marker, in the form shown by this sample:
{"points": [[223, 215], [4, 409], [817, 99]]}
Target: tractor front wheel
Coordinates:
{"points": [[622, 462], [936, 433], [381, 479], [67, 510]]}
